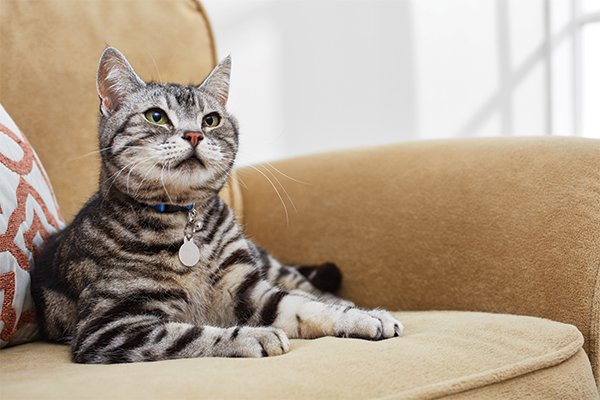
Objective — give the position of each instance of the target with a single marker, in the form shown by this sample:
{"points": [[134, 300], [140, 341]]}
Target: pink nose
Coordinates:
{"points": [[193, 137]]}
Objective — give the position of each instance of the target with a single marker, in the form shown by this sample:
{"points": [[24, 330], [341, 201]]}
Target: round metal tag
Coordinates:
{"points": [[189, 253]]}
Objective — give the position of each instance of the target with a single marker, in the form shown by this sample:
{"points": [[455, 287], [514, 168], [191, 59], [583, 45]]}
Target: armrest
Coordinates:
{"points": [[506, 225]]}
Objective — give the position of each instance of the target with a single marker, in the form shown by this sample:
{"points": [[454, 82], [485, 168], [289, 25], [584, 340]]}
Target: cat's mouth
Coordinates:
{"points": [[191, 162]]}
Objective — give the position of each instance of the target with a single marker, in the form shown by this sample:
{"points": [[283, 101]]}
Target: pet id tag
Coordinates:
{"points": [[189, 253]]}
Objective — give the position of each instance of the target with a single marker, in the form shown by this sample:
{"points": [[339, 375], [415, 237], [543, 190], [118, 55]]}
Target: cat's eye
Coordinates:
{"points": [[211, 120], [156, 116]]}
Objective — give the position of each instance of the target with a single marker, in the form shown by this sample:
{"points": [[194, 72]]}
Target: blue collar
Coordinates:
{"points": [[170, 208]]}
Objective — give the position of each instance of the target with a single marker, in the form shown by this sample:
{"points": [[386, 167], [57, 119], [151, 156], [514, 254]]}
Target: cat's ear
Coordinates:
{"points": [[217, 83], [115, 79]]}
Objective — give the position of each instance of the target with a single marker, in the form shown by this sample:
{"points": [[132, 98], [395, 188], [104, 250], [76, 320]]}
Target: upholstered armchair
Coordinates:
{"points": [[487, 249]]}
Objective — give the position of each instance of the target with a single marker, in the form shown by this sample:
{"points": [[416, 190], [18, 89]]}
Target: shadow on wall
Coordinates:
{"points": [[511, 77]]}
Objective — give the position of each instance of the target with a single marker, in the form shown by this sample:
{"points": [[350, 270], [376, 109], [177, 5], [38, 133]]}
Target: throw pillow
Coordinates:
{"points": [[28, 215]]}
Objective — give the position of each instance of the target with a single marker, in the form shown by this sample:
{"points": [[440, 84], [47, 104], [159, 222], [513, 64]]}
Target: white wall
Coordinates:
{"points": [[311, 76]]}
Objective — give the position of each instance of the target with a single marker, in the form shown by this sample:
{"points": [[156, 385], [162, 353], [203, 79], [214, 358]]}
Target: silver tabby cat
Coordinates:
{"points": [[111, 283]]}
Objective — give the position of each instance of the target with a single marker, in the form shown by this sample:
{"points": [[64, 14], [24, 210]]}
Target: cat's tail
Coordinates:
{"points": [[326, 277]]}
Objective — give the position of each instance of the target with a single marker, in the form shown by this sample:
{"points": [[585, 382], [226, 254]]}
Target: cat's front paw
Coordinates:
{"points": [[368, 324], [261, 342], [391, 326]]}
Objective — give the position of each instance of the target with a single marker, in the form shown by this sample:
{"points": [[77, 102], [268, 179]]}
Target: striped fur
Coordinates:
{"points": [[111, 284]]}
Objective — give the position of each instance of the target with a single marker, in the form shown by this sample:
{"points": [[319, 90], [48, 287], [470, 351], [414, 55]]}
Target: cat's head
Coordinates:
{"points": [[164, 143]]}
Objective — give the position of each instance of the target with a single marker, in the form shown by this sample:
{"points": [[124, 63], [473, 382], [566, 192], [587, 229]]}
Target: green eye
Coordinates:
{"points": [[211, 120], [156, 116]]}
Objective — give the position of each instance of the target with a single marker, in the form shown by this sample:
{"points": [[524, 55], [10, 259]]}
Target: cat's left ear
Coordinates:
{"points": [[115, 79], [217, 83]]}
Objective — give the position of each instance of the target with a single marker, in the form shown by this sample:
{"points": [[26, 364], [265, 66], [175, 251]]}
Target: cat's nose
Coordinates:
{"points": [[193, 137]]}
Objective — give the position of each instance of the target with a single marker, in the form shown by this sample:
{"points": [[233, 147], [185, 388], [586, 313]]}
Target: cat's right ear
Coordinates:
{"points": [[115, 79], [217, 82]]}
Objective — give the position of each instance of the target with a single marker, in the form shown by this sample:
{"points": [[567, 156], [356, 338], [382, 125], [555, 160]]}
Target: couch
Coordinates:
{"points": [[487, 249]]}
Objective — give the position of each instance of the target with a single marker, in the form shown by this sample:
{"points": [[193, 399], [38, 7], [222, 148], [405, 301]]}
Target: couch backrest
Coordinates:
{"points": [[50, 51]]}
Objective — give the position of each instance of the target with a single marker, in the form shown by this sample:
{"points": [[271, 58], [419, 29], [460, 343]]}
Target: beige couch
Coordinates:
{"points": [[506, 232]]}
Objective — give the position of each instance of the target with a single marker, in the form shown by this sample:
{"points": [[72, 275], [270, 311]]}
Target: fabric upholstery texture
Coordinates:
{"points": [[28, 215], [502, 225], [55, 45], [442, 353]]}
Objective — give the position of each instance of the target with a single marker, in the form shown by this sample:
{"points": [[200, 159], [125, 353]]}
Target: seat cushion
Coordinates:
{"points": [[505, 225], [442, 353]]}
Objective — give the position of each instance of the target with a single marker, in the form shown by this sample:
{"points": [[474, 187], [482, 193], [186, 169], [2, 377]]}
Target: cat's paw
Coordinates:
{"points": [[260, 342], [390, 325], [371, 324]]}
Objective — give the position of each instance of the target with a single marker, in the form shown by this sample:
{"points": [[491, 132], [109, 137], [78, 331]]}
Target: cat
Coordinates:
{"points": [[155, 266]]}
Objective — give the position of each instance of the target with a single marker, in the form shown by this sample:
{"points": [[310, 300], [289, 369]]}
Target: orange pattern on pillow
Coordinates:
{"points": [[9, 314], [19, 236]]}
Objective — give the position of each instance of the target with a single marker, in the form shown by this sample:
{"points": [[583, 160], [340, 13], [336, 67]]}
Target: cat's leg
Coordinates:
{"points": [[319, 281], [118, 329], [257, 302]]}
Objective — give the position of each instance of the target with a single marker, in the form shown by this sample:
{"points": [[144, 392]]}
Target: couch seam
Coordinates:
{"points": [[595, 327], [530, 364], [213, 49]]}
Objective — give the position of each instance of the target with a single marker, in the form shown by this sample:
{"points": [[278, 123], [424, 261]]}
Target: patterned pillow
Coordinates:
{"points": [[28, 215]]}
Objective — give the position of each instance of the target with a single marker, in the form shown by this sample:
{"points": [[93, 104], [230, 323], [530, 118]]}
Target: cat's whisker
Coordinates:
{"points": [[285, 175], [227, 171], [237, 179], [163, 184], [287, 217], [282, 187], [102, 150], [112, 178], [155, 67], [150, 158], [91, 153], [240, 180], [141, 184]]}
